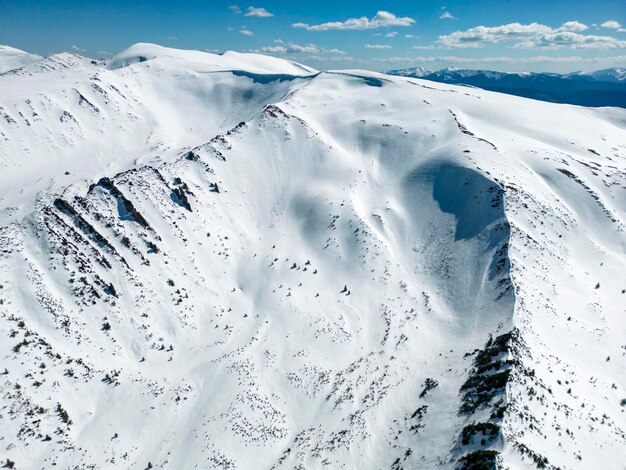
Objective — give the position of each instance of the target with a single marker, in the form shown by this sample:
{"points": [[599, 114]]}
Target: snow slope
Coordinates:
{"points": [[11, 58], [251, 264]]}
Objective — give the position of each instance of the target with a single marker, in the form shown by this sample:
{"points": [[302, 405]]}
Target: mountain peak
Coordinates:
{"points": [[230, 262], [207, 61], [12, 58]]}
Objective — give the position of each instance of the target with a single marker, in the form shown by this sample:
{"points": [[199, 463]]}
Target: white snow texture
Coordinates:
{"points": [[238, 262]]}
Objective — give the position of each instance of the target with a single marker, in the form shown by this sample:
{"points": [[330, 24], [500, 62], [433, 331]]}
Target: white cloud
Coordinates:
{"points": [[479, 35], [258, 12], [573, 41], [317, 58], [310, 58], [272, 49], [377, 46], [611, 24], [575, 26], [524, 33], [77, 49], [392, 34], [503, 59], [446, 15], [235, 9], [246, 32], [171, 38], [292, 48], [409, 36], [621, 30], [382, 19]]}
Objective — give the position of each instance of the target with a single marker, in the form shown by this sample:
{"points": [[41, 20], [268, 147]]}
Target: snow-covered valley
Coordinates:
{"points": [[236, 261]]}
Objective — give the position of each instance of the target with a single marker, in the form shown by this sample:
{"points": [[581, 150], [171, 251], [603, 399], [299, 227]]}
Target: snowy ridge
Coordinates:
{"points": [[64, 119], [614, 74], [11, 58], [208, 62], [271, 267]]}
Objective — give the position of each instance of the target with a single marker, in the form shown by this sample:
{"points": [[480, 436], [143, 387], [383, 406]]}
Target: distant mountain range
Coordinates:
{"points": [[600, 88]]}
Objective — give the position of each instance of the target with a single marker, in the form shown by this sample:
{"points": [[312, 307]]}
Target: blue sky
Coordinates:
{"points": [[531, 35]]}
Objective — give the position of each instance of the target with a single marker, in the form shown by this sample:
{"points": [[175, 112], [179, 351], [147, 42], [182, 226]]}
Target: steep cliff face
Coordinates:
{"points": [[250, 264]]}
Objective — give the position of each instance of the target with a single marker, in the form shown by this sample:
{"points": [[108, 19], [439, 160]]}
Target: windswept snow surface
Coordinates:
{"points": [[11, 58], [239, 262]]}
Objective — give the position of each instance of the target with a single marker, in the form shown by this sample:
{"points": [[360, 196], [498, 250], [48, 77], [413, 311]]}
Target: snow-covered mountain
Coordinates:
{"points": [[11, 58], [415, 72], [601, 88], [614, 74], [237, 261]]}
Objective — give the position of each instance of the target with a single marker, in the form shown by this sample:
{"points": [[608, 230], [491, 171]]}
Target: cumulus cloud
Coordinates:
{"points": [[258, 12], [501, 59], [446, 15], [382, 19], [246, 32], [575, 26], [291, 48], [611, 24], [530, 35], [272, 49], [317, 58], [573, 41], [479, 35], [377, 46]]}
